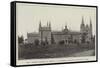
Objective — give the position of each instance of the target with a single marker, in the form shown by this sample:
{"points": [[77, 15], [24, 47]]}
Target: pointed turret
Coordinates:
{"points": [[49, 24], [82, 27], [66, 26], [82, 20], [90, 26], [40, 26]]}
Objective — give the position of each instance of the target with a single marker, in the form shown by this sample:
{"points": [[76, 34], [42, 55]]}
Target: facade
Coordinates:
{"points": [[67, 36]]}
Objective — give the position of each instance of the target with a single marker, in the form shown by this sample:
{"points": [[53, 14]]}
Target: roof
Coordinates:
{"points": [[66, 33], [33, 34]]}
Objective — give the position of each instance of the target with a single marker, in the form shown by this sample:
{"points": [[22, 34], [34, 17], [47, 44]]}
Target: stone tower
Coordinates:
{"points": [[86, 31], [45, 32]]}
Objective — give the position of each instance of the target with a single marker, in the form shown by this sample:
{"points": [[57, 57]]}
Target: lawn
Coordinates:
{"points": [[31, 51]]}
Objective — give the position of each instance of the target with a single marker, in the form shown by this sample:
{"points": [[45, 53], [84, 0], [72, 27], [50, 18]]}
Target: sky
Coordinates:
{"points": [[28, 17]]}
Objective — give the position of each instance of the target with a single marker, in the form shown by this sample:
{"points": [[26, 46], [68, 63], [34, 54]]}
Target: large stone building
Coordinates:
{"points": [[67, 36]]}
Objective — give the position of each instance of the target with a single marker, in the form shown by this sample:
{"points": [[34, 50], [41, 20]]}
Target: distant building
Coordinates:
{"points": [[67, 36]]}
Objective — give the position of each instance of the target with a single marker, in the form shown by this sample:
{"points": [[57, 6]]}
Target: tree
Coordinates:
{"points": [[20, 39], [61, 42], [52, 39]]}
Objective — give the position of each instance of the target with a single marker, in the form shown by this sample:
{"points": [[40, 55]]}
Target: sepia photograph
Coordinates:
{"points": [[52, 33]]}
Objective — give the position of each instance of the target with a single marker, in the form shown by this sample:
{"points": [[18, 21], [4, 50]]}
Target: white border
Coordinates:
{"points": [[51, 60]]}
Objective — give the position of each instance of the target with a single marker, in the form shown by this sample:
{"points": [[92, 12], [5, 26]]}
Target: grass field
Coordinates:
{"points": [[26, 51]]}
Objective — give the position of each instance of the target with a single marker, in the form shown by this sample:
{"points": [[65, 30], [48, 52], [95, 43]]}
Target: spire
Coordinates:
{"points": [[66, 26], [82, 27], [40, 26], [82, 24], [90, 26], [82, 20], [49, 24], [90, 23]]}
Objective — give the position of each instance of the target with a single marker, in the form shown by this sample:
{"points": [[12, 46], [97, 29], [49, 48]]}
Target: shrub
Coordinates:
{"points": [[36, 42], [61, 42]]}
